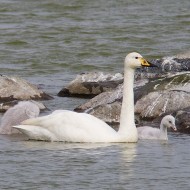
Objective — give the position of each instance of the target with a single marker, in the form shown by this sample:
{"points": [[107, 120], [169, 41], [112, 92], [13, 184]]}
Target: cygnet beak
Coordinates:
{"points": [[174, 127]]}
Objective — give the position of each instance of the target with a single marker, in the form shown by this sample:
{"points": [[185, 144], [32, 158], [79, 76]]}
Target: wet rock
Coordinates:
{"points": [[91, 84], [6, 105], [15, 88], [183, 120]]}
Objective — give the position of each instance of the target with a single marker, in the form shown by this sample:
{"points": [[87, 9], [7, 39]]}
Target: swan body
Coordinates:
{"points": [[15, 115], [69, 126], [147, 132]]}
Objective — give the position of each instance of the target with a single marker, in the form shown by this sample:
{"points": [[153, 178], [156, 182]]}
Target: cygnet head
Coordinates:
{"points": [[169, 122], [135, 60]]}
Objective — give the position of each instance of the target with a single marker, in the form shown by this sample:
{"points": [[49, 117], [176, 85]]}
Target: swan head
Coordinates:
{"points": [[169, 122], [135, 60]]}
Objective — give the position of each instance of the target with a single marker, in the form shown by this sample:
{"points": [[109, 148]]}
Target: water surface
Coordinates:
{"points": [[49, 42]]}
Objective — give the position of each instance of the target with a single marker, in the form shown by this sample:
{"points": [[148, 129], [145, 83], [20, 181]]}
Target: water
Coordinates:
{"points": [[48, 43], [145, 165]]}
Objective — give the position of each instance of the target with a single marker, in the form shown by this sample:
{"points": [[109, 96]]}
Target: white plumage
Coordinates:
{"points": [[147, 132]]}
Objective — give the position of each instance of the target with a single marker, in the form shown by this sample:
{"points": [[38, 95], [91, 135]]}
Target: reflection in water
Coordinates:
{"points": [[128, 153], [144, 165], [77, 165], [126, 159]]}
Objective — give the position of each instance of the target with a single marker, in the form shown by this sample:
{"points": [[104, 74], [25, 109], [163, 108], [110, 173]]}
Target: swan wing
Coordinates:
{"points": [[71, 127]]}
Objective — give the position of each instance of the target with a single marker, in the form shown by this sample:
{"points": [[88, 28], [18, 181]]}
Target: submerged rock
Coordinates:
{"points": [[15, 88]]}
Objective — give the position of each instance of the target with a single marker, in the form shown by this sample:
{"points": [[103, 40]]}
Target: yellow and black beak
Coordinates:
{"points": [[146, 63]]}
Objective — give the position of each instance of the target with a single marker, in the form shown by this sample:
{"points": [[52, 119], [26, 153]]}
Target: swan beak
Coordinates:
{"points": [[146, 63]]}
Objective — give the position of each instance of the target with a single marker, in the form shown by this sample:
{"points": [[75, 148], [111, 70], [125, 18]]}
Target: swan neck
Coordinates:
{"points": [[127, 121], [163, 131]]}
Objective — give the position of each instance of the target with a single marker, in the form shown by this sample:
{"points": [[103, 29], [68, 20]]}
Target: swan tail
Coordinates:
{"points": [[35, 132]]}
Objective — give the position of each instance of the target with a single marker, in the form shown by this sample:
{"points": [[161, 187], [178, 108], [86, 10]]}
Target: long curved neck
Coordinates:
{"points": [[127, 121]]}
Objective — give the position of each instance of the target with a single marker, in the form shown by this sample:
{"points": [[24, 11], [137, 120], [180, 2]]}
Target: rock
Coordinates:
{"points": [[167, 66], [6, 105], [153, 98], [165, 95], [101, 99], [172, 64], [156, 104], [183, 120], [15, 88], [178, 82], [88, 85], [91, 84], [110, 113]]}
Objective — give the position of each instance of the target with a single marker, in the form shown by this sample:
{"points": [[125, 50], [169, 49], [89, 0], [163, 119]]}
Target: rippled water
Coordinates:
{"points": [[49, 42], [145, 165]]}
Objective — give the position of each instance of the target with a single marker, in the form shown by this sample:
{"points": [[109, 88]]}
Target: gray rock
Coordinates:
{"points": [[167, 66], [165, 95], [108, 97], [91, 84], [153, 98], [183, 120], [101, 99], [15, 88], [88, 85], [110, 113], [156, 104]]}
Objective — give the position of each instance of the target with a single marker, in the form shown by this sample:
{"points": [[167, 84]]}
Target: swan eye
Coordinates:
{"points": [[136, 57]]}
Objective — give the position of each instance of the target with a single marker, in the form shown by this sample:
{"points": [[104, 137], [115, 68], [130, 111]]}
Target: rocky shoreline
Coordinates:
{"points": [[158, 91]]}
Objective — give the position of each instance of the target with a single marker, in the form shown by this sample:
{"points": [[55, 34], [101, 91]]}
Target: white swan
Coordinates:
{"points": [[147, 132], [81, 127], [15, 115]]}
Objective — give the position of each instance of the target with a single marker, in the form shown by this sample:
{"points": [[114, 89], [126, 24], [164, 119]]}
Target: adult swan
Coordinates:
{"points": [[70, 126]]}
